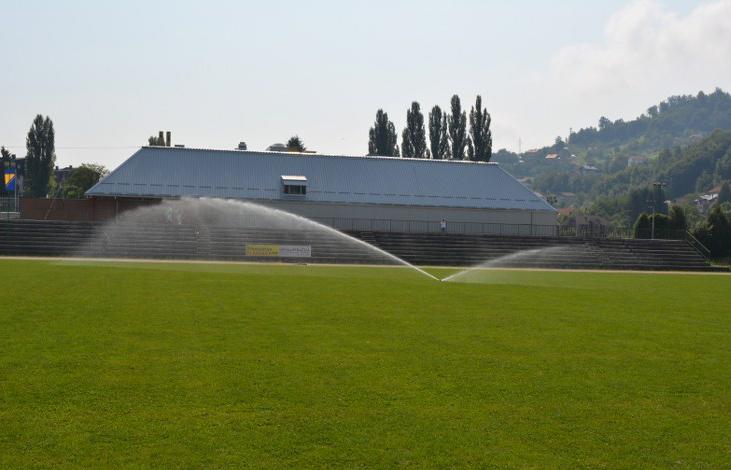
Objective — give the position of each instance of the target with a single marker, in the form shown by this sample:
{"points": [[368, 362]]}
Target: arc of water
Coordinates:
{"points": [[502, 261], [306, 221], [227, 211]]}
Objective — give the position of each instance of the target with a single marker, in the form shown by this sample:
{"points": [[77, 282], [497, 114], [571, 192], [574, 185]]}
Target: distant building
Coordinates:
{"points": [[552, 156], [705, 201], [347, 192], [276, 148], [62, 174], [636, 160]]}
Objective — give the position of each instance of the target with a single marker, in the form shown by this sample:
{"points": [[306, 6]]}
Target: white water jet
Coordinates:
{"points": [[475, 273], [186, 224]]}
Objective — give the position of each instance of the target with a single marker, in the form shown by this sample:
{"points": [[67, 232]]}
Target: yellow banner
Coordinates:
{"points": [[262, 250]]}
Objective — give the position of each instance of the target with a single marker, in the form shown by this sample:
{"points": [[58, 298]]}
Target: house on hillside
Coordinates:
{"points": [[636, 160], [705, 201]]}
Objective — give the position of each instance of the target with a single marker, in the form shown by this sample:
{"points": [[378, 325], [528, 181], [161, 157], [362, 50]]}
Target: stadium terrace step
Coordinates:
{"points": [[164, 241], [573, 253]]}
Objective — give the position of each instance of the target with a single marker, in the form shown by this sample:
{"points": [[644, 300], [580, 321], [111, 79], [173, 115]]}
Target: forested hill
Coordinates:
{"points": [[684, 142], [673, 122], [677, 121]]}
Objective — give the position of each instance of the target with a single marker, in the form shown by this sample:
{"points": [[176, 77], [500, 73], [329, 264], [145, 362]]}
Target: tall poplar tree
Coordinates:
{"points": [[457, 129], [413, 138], [382, 139], [40, 156], [438, 134], [480, 145]]}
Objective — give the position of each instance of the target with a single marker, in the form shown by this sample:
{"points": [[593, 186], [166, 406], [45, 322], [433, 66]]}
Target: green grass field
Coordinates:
{"points": [[192, 365]]}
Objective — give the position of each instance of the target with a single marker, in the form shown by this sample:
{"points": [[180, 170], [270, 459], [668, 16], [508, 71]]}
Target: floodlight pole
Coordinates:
{"points": [[656, 186]]}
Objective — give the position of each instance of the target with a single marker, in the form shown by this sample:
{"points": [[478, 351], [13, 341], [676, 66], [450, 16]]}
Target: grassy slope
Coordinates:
{"points": [[193, 365]]}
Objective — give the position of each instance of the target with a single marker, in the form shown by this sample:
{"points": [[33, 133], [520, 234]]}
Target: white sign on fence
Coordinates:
{"points": [[281, 251], [295, 251]]}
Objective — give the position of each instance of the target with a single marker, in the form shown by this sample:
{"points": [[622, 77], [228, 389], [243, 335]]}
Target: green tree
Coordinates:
{"points": [[480, 144], [438, 134], [715, 234], [295, 144], [678, 221], [458, 129], [413, 138], [642, 226], [156, 141], [663, 226], [382, 138], [82, 179], [693, 216], [725, 194], [726, 209], [40, 156]]}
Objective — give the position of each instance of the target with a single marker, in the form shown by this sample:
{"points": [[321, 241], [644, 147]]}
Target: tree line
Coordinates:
{"points": [[448, 134], [713, 231], [676, 116], [39, 164]]}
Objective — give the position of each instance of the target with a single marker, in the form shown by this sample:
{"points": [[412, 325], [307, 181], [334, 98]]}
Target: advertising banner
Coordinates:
{"points": [[280, 251], [295, 251]]}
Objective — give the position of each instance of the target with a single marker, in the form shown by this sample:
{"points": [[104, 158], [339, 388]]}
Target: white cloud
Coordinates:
{"points": [[647, 52], [646, 47]]}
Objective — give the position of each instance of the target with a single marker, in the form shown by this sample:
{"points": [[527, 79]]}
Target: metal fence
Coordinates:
{"points": [[478, 228], [434, 226], [9, 208]]}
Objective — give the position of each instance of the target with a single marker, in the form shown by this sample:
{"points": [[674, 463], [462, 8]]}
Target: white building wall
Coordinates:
{"points": [[395, 218]]}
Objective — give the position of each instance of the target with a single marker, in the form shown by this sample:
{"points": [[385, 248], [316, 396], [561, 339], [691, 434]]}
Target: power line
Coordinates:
{"points": [[79, 148]]}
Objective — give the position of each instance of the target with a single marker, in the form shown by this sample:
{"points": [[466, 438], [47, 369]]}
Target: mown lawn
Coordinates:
{"points": [[174, 365]]}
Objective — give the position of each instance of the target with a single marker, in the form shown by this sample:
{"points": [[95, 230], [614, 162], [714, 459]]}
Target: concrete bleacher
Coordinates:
{"points": [[164, 241], [566, 252]]}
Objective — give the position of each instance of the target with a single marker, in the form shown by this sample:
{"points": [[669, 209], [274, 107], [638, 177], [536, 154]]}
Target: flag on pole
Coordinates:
{"points": [[10, 178]]}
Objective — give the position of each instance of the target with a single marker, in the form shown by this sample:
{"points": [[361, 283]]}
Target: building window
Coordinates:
{"points": [[295, 189], [293, 185]]}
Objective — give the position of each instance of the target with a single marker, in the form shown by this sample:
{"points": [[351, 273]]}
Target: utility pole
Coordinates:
{"points": [[656, 186]]}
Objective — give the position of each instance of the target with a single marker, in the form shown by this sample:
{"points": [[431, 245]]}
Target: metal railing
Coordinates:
{"points": [[434, 226], [695, 243], [9, 208], [480, 228]]}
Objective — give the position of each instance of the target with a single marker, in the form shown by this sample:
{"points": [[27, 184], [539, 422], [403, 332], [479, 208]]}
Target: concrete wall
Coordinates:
{"points": [[78, 210]]}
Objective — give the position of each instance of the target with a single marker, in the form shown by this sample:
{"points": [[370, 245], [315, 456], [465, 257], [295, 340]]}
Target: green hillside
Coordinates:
{"points": [[685, 143]]}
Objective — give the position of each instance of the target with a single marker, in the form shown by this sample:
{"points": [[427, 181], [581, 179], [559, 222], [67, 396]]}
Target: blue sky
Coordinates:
{"points": [[214, 73]]}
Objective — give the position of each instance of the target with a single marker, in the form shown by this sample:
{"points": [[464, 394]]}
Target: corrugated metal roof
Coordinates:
{"points": [[235, 174]]}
